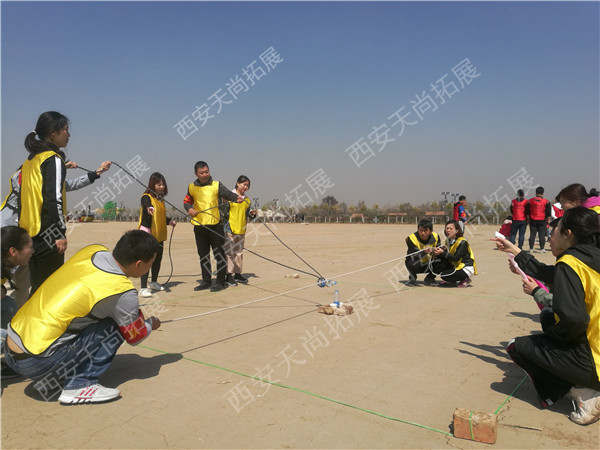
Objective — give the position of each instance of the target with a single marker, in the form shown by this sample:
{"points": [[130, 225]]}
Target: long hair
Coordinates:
{"points": [[47, 123], [459, 232], [584, 225], [155, 178]]}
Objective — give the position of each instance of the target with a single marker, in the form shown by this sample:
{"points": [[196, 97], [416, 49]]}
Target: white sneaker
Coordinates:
{"points": [[587, 406], [95, 393], [156, 287], [146, 292]]}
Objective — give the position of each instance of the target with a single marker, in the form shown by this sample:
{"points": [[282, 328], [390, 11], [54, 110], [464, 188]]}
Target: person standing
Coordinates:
{"points": [[202, 204], [537, 211], [519, 220]]}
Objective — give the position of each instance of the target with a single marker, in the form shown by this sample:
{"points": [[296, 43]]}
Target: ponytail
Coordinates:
{"points": [[47, 123], [584, 224]]}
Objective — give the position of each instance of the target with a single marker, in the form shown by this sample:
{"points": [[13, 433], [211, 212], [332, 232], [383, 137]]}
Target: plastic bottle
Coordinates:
{"points": [[336, 299]]}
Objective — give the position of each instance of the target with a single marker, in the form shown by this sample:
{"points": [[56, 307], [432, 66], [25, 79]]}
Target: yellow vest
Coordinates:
{"points": [[70, 292], [30, 216], [10, 191], [159, 219], [459, 264], [590, 279], [237, 216], [205, 197], [596, 209], [417, 243]]}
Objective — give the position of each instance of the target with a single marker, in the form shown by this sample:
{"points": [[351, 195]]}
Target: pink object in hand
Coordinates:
{"points": [[513, 263]]}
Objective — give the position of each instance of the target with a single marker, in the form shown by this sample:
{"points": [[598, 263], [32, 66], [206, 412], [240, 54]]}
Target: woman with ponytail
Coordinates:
{"points": [[566, 357], [576, 195], [42, 198]]}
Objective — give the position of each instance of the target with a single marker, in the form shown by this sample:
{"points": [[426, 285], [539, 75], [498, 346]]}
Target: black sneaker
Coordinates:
{"points": [[230, 280], [429, 280], [202, 286], [412, 280], [240, 278], [218, 286]]}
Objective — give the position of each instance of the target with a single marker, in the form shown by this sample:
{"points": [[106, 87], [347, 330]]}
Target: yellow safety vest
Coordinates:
{"points": [[206, 199], [459, 264], [10, 191], [590, 279], [417, 243], [70, 292], [237, 216], [30, 216], [159, 219], [596, 209]]}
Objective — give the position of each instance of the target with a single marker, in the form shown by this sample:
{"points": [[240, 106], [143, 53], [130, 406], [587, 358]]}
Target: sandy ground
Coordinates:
{"points": [[414, 354]]}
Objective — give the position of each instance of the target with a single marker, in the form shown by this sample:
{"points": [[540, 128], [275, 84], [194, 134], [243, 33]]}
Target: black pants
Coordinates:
{"points": [[155, 268], [539, 227], [554, 367], [518, 226], [443, 267], [207, 237], [42, 265], [415, 267]]}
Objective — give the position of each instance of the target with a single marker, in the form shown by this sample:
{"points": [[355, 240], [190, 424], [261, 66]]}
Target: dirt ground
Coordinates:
{"points": [[413, 354]]}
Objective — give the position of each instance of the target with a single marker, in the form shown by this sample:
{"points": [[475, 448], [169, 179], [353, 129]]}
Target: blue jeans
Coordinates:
{"points": [[518, 226], [76, 364]]}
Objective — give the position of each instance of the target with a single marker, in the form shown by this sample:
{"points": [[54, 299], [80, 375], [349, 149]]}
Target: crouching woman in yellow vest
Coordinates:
{"points": [[153, 220], [456, 260], [66, 335], [566, 357], [235, 217]]}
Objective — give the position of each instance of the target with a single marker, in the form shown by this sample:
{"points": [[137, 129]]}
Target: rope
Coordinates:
{"points": [[510, 395], [194, 222], [304, 391]]}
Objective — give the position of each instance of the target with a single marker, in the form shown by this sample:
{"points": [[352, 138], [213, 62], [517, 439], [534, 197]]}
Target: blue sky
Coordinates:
{"points": [[125, 73]]}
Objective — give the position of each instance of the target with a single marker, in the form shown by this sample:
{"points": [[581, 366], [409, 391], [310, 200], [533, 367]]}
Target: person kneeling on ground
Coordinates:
{"points": [[72, 326], [456, 256], [423, 239], [566, 357]]}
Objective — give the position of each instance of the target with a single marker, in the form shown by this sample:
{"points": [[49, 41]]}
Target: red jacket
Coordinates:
{"points": [[538, 208], [517, 209]]}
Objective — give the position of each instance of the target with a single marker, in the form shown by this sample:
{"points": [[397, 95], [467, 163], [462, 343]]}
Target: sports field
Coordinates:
{"points": [[411, 354]]}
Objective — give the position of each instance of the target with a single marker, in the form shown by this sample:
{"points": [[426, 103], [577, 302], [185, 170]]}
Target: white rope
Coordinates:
{"points": [[290, 291]]}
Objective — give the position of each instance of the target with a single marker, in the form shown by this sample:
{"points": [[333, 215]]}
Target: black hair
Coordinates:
{"points": [[242, 179], [575, 193], [462, 197], [520, 193], [459, 232], [508, 218], [199, 165], [584, 225], [135, 245], [12, 237], [47, 123], [425, 223], [539, 190], [593, 192], [155, 178]]}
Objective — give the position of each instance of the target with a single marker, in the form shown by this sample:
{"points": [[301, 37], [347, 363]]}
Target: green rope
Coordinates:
{"points": [[510, 395], [322, 397], [471, 425]]}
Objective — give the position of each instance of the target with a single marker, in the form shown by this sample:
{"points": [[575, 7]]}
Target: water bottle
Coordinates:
{"points": [[336, 299]]}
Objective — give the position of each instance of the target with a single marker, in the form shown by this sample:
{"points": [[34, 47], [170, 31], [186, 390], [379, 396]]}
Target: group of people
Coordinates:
{"points": [[57, 319]]}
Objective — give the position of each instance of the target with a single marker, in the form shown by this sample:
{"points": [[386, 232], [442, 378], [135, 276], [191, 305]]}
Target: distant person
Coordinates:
{"points": [[506, 227], [153, 219], [43, 194], [70, 329], [519, 220], [576, 195], [566, 357], [460, 214], [423, 239], [202, 204], [456, 258], [538, 213], [235, 218]]}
